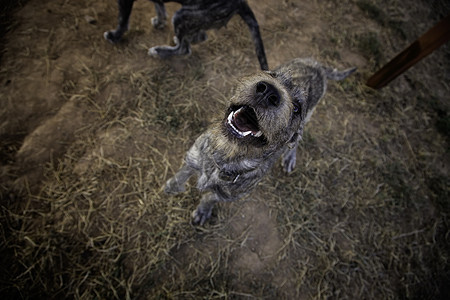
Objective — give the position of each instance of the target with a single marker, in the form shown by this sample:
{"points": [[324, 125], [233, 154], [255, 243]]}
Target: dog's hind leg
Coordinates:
{"points": [[182, 24], [125, 7], [247, 15], [182, 48], [201, 36], [176, 184], [160, 21]]}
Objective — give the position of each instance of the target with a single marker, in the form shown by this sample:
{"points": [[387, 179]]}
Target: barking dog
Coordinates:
{"points": [[265, 120], [191, 22]]}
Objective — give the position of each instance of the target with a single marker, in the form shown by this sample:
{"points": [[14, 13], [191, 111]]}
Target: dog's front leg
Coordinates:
{"points": [[204, 209], [289, 159], [175, 184], [160, 21], [125, 7], [289, 156]]}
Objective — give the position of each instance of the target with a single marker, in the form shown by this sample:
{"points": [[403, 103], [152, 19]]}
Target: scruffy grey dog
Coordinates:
{"points": [[265, 120], [191, 22]]}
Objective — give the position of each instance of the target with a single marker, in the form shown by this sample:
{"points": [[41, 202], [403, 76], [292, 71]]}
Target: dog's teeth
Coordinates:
{"points": [[230, 117], [258, 134], [242, 134]]}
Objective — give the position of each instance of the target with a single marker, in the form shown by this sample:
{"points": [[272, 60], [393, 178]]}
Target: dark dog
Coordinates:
{"points": [[191, 22], [264, 121]]}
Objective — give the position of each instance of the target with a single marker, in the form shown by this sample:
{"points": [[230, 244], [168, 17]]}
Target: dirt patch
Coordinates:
{"points": [[89, 133]]}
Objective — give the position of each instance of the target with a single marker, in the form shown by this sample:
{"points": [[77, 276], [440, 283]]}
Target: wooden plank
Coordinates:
{"points": [[424, 45]]}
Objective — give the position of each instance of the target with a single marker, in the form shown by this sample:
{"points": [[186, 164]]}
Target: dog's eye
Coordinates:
{"points": [[297, 108]]}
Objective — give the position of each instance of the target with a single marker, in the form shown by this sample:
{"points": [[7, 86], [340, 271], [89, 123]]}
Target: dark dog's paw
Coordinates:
{"points": [[157, 23], [167, 51], [172, 187], [112, 36], [201, 215], [153, 51], [289, 160]]}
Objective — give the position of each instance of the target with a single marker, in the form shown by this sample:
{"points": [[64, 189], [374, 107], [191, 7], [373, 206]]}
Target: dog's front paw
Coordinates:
{"points": [[157, 23], [201, 215], [289, 160], [109, 36], [172, 187], [112, 36]]}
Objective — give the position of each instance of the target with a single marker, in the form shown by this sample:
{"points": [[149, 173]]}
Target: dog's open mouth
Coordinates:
{"points": [[243, 122]]}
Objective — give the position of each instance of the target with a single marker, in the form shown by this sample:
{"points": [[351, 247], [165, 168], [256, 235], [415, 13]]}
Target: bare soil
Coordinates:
{"points": [[90, 131]]}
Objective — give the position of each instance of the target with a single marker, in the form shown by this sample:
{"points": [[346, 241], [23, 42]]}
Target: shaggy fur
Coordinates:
{"points": [[191, 22], [265, 120]]}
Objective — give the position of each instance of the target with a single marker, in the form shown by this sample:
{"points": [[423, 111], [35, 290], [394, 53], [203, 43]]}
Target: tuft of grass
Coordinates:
{"points": [[369, 45], [372, 11], [440, 110], [439, 186], [378, 15], [395, 176]]}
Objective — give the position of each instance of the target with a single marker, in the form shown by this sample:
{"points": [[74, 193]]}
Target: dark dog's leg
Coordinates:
{"points": [[125, 7], [176, 184], [247, 15], [182, 48], [160, 21], [201, 36], [182, 38]]}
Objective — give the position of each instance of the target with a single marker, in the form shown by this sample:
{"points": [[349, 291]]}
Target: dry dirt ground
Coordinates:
{"points": [[90, 131]]}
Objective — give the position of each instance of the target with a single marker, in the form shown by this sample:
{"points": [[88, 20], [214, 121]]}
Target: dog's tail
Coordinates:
{"points": [[334, 74]]}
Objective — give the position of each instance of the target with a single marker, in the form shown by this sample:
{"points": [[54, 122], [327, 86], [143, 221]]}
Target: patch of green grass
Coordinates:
{"points": [[443, 125], [369, 44], [331, 53], [397, 27], [395, 177], [442, 117], [372, 11], [440, 192], [376, 14]]}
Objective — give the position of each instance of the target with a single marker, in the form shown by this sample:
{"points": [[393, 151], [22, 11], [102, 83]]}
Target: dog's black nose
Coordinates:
{"points": [[267, 94]]}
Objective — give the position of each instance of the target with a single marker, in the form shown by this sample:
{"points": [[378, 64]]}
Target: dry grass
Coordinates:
{"points": [[90, 133]]}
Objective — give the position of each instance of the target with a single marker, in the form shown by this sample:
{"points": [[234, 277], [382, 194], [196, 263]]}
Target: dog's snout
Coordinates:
{"points": [[267, 94], [274, 100]]}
